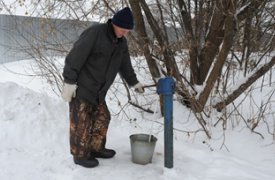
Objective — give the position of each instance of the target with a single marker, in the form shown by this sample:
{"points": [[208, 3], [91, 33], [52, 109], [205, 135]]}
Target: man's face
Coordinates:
{"points": [[120, 32]]}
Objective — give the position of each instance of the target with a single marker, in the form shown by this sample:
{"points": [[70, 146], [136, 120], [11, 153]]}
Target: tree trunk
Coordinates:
{"points": [[143, 39], [229, 32]]}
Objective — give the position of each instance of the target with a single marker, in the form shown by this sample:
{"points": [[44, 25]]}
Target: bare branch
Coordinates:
{"points": [[260, 72]]}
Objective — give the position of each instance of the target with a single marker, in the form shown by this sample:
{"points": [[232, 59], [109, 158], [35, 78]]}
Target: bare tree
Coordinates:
{"points": [[210, 28]]}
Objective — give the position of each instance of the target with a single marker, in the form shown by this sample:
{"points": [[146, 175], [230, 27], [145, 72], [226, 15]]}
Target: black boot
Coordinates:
{"points": [[105, 153], [89, 163]]}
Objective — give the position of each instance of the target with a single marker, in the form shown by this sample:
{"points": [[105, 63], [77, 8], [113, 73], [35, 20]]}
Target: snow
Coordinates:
{"points": [[34, 135], [241, 9], [35, 140]]}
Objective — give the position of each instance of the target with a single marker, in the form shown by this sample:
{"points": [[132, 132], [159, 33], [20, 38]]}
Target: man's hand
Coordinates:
{"points": [[68, 91], [139, 88]]}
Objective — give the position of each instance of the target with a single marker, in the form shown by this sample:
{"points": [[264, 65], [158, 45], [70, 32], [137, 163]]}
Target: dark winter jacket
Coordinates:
{"points": [[94, 61]]}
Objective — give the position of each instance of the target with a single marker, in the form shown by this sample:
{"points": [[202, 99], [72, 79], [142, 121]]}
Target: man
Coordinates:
{"points": [[90, 69]]}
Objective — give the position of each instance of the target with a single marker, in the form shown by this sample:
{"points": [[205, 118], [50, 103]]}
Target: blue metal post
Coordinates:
{"points": [[166, 87]]}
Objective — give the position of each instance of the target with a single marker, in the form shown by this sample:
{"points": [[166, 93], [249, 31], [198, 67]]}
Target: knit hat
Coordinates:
{"points": [[124, 18]]}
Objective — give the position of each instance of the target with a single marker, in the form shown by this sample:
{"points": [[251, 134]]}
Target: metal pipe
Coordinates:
{"points": [[166, 88]]}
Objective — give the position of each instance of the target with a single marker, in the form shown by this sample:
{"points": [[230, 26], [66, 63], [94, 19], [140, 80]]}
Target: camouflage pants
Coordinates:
{"points": [[88, 127]]}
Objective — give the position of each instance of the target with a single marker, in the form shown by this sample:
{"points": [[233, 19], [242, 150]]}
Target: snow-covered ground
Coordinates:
{"points": [[34, 136]]}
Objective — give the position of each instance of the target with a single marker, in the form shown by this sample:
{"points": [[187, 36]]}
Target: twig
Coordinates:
{"points": [[138, 106]]}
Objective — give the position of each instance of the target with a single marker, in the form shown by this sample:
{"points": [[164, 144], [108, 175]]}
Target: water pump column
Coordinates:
{"points": [[166, 88]]}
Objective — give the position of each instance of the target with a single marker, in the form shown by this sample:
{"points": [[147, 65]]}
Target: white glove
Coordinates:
{"points": [[139, 88], [68, 91]]}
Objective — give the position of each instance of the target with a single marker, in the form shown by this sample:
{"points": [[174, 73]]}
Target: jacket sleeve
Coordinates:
{"points": [[78, 55], [126, 70]]}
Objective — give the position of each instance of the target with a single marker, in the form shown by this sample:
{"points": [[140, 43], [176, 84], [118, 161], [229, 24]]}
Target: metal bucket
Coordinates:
{"points": [[142, 148]]}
